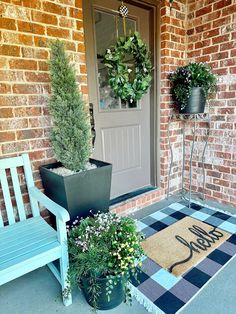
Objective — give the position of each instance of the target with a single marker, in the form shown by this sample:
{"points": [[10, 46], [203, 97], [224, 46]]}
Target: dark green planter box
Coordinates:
{"points": [[81, 192], [117, 295], [196, 101]]}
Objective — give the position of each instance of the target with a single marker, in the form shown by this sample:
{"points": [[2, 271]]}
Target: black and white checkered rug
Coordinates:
{"points": [[159, 290]]}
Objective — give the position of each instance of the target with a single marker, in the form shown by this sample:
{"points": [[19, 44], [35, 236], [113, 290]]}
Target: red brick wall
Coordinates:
{"points": [[211, 30], [173, 54], [26, 26]]}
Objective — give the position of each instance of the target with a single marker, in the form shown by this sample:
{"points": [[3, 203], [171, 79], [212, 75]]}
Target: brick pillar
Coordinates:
{"points": [[173, 54]]}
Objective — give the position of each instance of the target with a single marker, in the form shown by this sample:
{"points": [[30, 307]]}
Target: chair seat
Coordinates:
{"points": [[30, 243]]}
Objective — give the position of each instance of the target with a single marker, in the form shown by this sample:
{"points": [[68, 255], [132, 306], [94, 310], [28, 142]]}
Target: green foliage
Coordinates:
{"points": [[191, 75], [129, 83], [104, 246], [70, 134]]}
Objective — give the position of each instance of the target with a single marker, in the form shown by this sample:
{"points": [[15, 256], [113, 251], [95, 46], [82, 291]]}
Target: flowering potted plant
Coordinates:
{"points": [[104, 250], [190, 86]]}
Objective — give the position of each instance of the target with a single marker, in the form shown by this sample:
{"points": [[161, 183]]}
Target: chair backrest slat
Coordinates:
{"points": [[30, 183], [12, 163], [7, 197], [18, 195], [1, 220]]}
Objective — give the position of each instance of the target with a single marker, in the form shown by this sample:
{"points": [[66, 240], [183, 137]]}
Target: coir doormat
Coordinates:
{"points": [[183, 244], [159, 290]]}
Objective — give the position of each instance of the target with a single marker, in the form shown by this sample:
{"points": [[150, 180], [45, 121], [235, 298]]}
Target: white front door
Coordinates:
{"points": [[122, 128]]}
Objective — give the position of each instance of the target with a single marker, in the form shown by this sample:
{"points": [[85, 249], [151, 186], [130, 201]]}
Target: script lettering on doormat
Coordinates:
{"points": [[203, 242], [183, 244]]}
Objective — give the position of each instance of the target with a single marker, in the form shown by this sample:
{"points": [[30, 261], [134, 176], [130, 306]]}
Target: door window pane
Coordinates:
{"points": [[109, 27]]}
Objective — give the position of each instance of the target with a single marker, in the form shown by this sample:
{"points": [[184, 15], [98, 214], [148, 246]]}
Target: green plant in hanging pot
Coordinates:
{"points": [[191, 85], [104, 251], [129, 78], [69, 180]]}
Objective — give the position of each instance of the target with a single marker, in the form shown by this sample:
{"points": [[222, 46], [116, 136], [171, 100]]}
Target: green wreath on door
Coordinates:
{"points": [[129, 83]]}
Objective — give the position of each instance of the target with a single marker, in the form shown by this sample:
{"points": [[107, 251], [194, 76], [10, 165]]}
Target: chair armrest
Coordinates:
{"points": [[59, 211]]}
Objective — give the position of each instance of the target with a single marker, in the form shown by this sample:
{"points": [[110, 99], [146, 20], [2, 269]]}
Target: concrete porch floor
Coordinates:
{"points": [[39, 292]]}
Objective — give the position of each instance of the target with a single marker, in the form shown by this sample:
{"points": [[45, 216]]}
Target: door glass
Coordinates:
{"points": [[109, 27]]}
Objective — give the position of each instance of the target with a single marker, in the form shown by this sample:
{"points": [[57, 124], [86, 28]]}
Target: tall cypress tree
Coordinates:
{"points": [[70, 135]]}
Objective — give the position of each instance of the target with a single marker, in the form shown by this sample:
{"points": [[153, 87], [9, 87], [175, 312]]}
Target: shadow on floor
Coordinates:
{"points": [[39, 292]]}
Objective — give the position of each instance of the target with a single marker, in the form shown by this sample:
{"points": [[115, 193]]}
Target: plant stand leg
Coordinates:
{"points": [[191, 161], [183, 162], [203, 156], [171, 156]]}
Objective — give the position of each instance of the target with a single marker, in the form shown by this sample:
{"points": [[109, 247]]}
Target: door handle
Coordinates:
{"points": [[92, 122]]}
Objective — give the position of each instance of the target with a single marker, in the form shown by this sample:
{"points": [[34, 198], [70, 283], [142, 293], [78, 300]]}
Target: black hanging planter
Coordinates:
{"points": [[196, 102], [80, 192], [117, 295]]}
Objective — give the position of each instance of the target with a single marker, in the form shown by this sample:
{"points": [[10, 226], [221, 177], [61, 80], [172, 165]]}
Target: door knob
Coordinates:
{"points": [[92, 122]]}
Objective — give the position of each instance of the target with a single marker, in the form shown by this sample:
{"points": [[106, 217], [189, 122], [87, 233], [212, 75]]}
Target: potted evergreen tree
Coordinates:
{"points": [[191, 85], [75, 182]]}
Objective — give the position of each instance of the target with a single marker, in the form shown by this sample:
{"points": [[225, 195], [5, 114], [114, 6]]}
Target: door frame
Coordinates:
{"points": [[153, 7]]}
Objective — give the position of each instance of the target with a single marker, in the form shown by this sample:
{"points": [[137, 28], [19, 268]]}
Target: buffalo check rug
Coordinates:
{"points": [[159, 290]]}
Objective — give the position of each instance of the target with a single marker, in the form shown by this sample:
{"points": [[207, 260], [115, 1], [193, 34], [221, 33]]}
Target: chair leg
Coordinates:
{"points": [[64, 265], [64, 262]]}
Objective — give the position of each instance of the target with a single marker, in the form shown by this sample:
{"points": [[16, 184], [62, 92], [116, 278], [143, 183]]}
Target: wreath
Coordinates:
{"points": [[129, 81]]}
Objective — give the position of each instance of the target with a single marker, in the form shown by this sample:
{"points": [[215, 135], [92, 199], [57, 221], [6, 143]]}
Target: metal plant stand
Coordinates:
{"points": [[185, 118]]}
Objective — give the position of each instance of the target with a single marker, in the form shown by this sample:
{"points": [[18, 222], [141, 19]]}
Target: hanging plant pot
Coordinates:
{"points": [[117, 295], [196, 101]]}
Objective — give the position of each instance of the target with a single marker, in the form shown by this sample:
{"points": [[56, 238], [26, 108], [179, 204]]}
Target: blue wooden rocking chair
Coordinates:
{"points": [[27, 244]]}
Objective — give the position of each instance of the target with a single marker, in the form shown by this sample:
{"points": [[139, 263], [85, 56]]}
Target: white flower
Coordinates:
{"points": [[129, 70], [109, 51]]}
